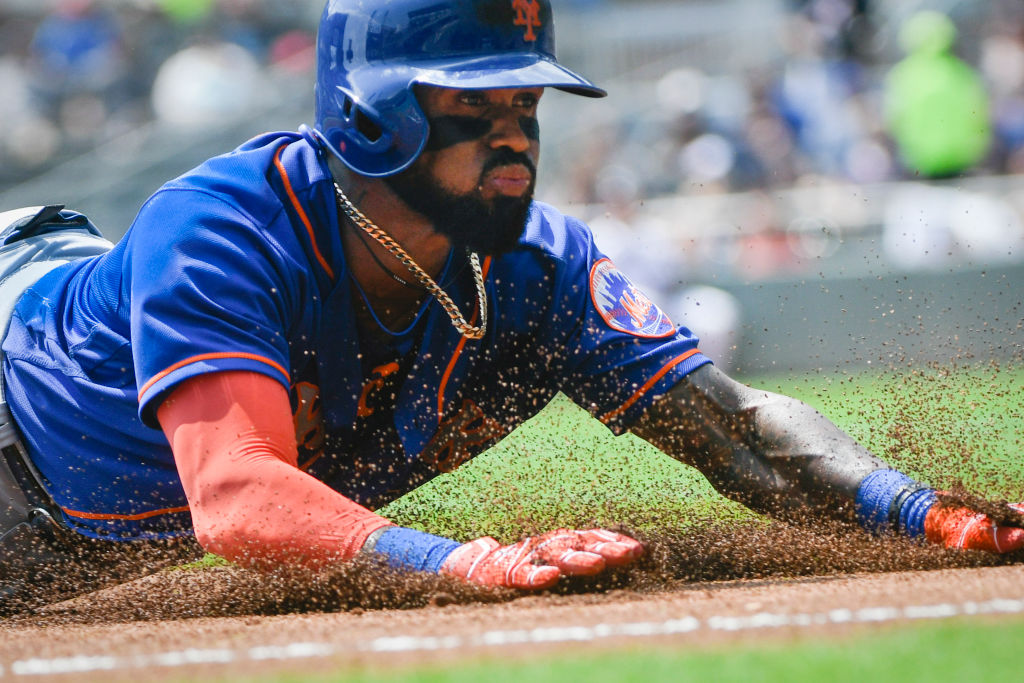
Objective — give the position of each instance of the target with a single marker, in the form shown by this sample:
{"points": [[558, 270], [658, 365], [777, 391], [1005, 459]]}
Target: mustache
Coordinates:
{"points": [[508, 157]]}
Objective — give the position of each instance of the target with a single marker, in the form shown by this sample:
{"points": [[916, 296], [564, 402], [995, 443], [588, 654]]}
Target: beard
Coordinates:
{"points": [[489, 227]]}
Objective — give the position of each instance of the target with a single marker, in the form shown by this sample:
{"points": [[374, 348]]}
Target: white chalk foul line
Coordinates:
{"points": [[558, 634]]}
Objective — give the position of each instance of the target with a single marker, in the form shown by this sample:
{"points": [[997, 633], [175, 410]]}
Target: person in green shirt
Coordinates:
{"points": [[937, 107]]}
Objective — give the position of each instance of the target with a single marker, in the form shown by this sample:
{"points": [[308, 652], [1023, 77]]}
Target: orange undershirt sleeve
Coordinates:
{"points": [[234, 445]]}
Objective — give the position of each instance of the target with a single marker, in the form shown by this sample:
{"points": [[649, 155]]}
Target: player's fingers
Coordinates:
{"points": [[563, 548], [579, 563], [616, 549], [548, 547], [970, 530], [532, 576], [976, 532], [578, 552], [1008, 539]]}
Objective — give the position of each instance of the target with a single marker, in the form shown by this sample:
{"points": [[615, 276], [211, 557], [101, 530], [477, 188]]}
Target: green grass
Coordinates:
{"points": [[562, 467], [953, 650]]}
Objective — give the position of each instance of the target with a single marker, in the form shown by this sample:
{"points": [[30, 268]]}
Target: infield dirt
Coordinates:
{"points": [[724, 572]]}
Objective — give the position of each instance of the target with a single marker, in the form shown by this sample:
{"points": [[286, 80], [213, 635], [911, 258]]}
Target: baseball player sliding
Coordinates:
{"points": [[296, 332]]}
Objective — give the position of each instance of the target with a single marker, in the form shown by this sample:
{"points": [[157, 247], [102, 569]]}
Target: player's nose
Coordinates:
{"points": [[508, 130]]}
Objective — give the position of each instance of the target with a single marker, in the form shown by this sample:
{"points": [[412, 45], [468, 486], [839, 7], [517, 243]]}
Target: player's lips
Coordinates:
{"points": [[514, 179]]}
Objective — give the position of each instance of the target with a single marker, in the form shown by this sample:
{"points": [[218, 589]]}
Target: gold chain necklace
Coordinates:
{"points": [[396, 250]]}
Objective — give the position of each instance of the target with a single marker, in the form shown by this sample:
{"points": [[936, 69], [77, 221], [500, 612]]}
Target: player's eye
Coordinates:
{"points": [[527, 100], [472, 98]]}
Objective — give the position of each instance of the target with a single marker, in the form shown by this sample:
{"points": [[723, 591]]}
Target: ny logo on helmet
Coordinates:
{"points": [[528, 15]]}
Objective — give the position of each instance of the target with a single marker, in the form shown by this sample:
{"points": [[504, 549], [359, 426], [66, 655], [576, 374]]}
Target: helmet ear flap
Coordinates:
{"points": [[367, 140], [360, 125]]}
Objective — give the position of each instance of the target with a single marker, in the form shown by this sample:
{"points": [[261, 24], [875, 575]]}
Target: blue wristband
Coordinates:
{"points": [[404, 548], [890, 501], [913, 511]]}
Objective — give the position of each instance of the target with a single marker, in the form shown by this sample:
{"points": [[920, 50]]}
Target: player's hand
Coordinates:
{"points": [[538, 561], [961, 527]]}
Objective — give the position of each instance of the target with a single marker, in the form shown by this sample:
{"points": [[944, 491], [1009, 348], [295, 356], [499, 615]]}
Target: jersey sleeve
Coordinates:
{"points": [[211, 290], [621, 350]]}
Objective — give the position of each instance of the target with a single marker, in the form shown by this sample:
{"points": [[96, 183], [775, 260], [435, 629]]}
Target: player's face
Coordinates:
{"points": [[475, 178]]}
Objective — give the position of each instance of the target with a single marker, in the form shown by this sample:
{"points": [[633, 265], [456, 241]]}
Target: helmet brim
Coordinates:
{"points": [[526, 70]]}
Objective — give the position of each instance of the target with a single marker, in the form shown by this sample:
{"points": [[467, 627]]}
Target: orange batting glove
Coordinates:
{"points": [[961, 527], [538, 561], [889, 501]]}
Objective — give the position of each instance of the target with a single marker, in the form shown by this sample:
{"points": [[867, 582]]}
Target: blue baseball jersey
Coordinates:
{"points": [[238, 265]]}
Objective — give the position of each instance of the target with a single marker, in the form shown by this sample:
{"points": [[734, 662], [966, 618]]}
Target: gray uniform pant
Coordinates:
{"points": [[41, 560]]}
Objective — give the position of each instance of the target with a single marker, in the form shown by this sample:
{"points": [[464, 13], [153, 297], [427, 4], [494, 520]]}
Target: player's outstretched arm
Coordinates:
{"points": [[234, 446], [779, 456]]}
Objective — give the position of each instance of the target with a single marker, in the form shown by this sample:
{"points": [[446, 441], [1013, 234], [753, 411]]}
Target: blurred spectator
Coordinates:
{"points": [[207, 84], [814, 95], [1002, 65], [936, 105], [29, 139], [76, 51], [151, 36], [845, 25], [79, 73]]}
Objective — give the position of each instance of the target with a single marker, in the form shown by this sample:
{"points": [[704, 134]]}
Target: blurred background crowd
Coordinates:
{"points": [[743, 140], [820, 97], [802, 93], [77, 73]]}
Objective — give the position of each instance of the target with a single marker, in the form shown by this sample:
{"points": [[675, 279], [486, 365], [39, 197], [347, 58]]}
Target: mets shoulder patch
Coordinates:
{"points": [[624, 307]]}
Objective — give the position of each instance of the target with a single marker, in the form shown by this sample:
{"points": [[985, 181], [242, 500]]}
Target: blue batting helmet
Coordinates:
{"points": [[370, 54]]}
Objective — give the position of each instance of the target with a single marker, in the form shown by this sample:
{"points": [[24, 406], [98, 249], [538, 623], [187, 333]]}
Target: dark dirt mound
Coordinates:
{"points": [[755, 551]]}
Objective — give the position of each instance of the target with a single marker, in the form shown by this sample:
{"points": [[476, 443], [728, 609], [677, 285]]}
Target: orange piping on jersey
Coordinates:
{"points": [[647, 385], [136, 516], [458, 352], [309, 463], [209, 356], [302, 212]]}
